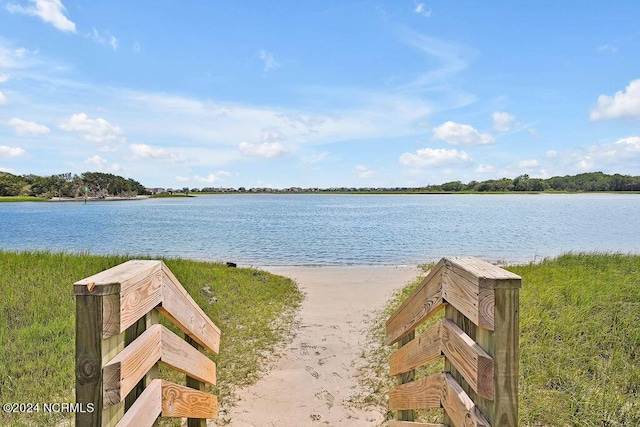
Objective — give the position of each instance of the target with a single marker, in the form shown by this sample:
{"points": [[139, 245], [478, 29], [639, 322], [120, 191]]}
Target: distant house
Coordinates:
{"points": [[156, 190]]}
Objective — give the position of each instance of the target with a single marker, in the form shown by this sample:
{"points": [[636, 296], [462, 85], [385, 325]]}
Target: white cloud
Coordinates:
{"points": [[181, 178], [145, 151], [104, 39], [3, 99], [136, 47], [15, 58], [97, 161], [315, 158], [485, 169], [435, 157], [621, 156], [606, 47], [421, 9], [25, 128], [528, 164], [460, 134], [6, 151], [503, 122], [50, 11], [264, 149], [622, 104], [102, 165], [534, 132], [93, 130], [3, 78], [364, 172], [269, 61], [628, 145], [214, 177]]}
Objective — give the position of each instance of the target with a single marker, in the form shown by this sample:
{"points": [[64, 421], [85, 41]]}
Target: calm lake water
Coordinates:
{"points": [[330, 229]]}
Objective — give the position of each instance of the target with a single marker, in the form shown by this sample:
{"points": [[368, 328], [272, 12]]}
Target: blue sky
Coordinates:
{"points": [[319, 93]]}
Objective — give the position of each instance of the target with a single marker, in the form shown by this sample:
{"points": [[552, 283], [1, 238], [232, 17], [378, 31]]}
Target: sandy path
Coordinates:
{"points": [[309, 385]]}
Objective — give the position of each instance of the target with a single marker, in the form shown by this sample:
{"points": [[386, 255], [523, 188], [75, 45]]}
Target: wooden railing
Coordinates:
{"points": [[119, 344], [478, 338]]}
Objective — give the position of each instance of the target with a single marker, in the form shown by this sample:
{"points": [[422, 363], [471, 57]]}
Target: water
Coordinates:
{"points": [[330, 229]]}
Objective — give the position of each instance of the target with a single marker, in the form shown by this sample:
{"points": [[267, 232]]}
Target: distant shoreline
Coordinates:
{"points": [[337, 193], [96, 199]]}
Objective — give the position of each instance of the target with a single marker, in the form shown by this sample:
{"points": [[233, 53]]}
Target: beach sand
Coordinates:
{"points": [[313, 380]]}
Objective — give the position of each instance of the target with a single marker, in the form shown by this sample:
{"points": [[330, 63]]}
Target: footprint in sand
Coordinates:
{"points": [[323, 360], [326, 396], [312, 372]]}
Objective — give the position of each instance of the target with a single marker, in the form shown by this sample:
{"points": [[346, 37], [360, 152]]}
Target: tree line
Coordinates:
{"points": [[591, 181], [91, 184]]}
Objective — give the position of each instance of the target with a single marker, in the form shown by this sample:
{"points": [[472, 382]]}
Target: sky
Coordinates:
{"points": [[319, 93]]}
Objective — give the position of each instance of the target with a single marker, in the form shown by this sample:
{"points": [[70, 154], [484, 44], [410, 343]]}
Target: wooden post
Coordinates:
{"points": [[506, 357], [409, 414], [89, 359], [198, 385], [93, 350], [501, 344]]}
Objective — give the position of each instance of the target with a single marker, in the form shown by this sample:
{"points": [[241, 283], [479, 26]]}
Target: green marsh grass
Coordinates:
{"points": [[22, 199], [579, 343], [255, 311]]}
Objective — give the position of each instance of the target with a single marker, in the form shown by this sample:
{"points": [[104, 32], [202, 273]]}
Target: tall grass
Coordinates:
{"points": [[254, 310], [579, 342]]}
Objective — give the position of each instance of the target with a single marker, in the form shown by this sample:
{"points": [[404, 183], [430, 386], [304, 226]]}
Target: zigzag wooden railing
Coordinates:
{"points": [[478, 338], [119, 344]]}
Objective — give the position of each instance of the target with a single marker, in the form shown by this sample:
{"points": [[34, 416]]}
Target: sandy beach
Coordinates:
{"points": [[313, 380]]}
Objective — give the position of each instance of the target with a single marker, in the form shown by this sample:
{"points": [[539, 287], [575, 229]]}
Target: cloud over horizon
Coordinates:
{"points": [[461, 134], [50, 11], [623, 104]]}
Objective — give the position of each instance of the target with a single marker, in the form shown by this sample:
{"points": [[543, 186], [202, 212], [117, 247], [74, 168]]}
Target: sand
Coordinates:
{"points": [[311, 383]]}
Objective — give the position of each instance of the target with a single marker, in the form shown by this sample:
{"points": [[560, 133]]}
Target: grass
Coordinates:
{"points": [[255, 311], [579, 342], [22, 199], [168, 196]]}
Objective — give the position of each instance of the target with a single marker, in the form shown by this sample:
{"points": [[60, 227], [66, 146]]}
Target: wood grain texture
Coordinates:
{"points": [[125, 370], [459, 407], [181, 401], [506, 356], [474, 302], [146, 409], [88, 369], [418, 307], [423, 393], [485, 274], [182, 310], [110, 315], [139, 299], [475, 365], [418, 352], [124, 275], [179, 355], [407, 414]]}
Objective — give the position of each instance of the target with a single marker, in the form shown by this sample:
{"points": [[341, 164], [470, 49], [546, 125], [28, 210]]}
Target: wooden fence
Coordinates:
{"points": [[478, 338], [119, 344]]}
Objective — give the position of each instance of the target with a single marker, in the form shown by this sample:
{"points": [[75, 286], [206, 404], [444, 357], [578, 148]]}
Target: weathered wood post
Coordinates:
{"points": [[195, 384], [478, 339], [107, 304], [407, 377], [495, 290], [96, 307], [119, 344]]}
